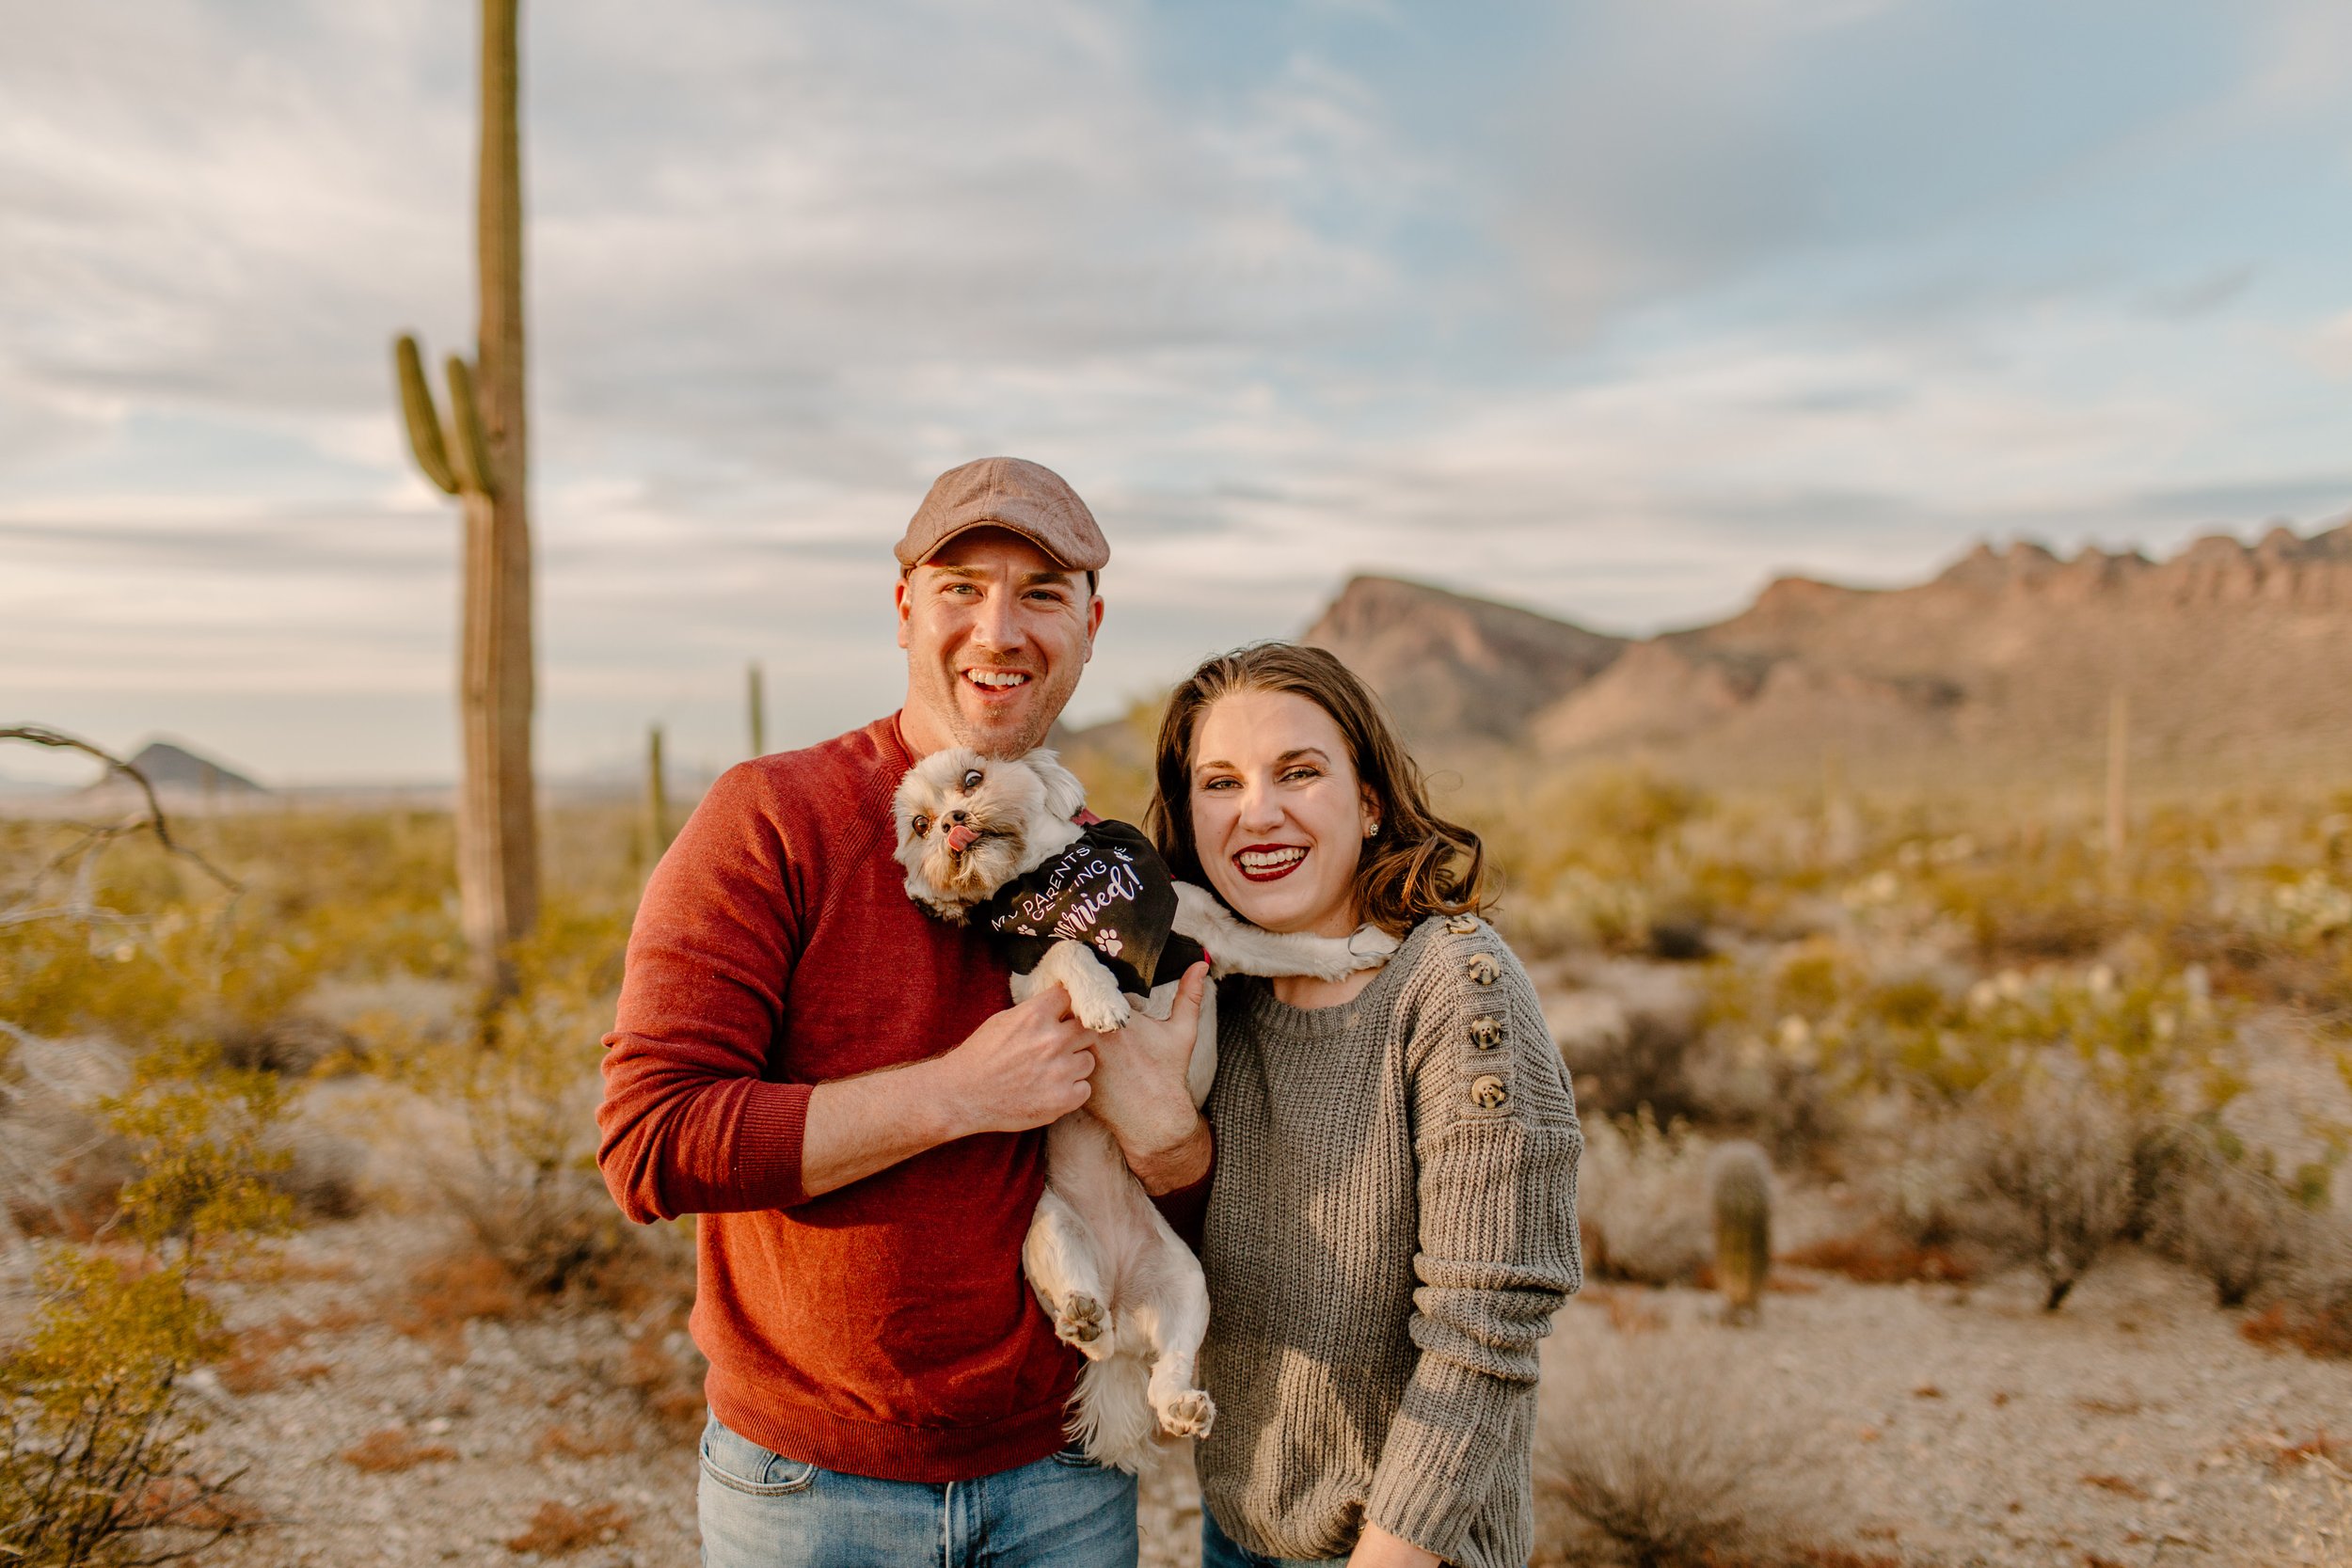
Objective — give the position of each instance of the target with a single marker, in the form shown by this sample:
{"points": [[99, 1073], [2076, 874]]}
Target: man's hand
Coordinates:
{"points": [[1023, 1068], [1140, 1092]]}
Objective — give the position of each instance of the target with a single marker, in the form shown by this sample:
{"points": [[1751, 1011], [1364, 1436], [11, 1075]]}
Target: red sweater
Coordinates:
{"points": [[884, 1328]]}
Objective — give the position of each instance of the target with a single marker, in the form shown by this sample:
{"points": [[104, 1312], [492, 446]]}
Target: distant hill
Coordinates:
{"points": [[1455, 669], [175, 770]]}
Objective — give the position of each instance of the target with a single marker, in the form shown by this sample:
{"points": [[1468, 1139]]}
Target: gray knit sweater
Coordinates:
{"points": [[1392, 1227]]}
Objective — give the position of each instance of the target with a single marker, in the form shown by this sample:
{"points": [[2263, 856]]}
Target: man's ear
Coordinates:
{"points": [[906, 607], [1094, 623]]}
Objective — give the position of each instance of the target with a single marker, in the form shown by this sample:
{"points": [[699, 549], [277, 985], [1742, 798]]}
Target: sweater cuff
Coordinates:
{"points": [[1186, 1208], [1435, 1470], [767, 1137]]}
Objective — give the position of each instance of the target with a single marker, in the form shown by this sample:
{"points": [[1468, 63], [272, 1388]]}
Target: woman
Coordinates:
{"points": [[1393, 1222]]}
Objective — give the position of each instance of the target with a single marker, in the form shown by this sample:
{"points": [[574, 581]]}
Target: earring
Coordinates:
{"points": [[1372, 829]]}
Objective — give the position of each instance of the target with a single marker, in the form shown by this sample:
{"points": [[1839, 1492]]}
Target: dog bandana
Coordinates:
{"points": [[1109, 889]]}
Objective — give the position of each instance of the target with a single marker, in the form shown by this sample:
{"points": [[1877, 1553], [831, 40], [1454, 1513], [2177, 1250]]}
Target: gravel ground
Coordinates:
{"points": [[2133, 1427]]}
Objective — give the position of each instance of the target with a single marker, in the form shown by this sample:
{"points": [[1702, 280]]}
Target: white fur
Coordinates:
{"points": [[1120, 1285]]}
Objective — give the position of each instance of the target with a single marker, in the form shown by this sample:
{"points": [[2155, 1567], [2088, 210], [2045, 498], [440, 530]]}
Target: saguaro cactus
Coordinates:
{"points": [[758, 710], [1741, 1179], [656, 798], [480, 454]]}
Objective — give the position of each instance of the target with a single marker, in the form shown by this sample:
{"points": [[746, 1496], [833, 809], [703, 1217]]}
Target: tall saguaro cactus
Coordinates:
{"points": [[480, 454]]}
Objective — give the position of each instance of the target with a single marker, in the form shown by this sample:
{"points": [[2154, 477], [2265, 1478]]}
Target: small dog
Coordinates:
{"points": [[1088, 905]]}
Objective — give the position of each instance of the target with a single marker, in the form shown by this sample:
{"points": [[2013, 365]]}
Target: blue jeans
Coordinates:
{"points": [[760, 1510], [1219, 1550]]}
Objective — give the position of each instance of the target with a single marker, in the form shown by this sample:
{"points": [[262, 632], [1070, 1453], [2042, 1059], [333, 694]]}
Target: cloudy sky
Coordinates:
{"points": [[1614, 310]]}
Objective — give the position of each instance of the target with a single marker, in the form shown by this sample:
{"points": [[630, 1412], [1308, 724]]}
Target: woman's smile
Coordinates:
{"points": [[1271, 862]]}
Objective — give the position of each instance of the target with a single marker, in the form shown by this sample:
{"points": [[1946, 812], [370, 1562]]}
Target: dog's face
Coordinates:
{"points": [[967, 823]]}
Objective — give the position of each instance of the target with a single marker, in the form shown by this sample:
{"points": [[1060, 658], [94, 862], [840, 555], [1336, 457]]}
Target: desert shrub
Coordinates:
{"points": [[1658, 1449], [1599, 860], [1641, 1198], [200, 1137], [1639, 1059], [96, 1468], [2055, 1149], [2226, 1215], [526, 1087]]}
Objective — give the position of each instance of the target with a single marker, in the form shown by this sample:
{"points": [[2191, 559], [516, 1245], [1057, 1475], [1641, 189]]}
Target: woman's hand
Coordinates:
{"points": [[1377, 1548], [1140, 1092]]}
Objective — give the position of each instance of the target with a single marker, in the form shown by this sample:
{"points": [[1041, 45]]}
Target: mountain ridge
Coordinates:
{"points": [[2232, 656]]}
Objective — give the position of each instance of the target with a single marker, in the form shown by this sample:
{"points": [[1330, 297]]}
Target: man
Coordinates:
{"points": [[831, 1078]]}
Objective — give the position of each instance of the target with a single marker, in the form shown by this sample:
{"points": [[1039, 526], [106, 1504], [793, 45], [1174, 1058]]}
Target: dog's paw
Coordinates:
{"points": [[1190, 1414], [1080, 1322], [1102, 1010]]}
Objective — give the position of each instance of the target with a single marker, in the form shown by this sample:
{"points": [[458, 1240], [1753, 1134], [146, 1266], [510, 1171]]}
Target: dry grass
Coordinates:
{"points": [[2286, 1453], [2323, 1332], [666, 1371], [557, 1529], [1642, 1198], [1628, 1312], [2122, 1485], [569, 1442], [1663, 1447], [1875, 1254], [393, 1450], [449, 1292]]}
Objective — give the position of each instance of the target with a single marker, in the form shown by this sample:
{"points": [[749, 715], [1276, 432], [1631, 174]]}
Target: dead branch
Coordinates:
{"points": [[79, 854]]}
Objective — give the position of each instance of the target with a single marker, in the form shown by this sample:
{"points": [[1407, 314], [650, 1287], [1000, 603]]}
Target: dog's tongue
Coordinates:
{"points": [[960, 837]]}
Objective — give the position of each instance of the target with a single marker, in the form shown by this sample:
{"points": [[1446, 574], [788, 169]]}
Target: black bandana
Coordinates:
{"points": [[1112, 891]]}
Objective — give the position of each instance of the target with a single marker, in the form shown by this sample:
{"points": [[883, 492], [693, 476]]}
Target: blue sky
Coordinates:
{"points": [[1615, 310]]}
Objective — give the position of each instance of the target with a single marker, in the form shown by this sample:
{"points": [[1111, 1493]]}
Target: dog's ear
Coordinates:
{"points": [[1065, 796]]}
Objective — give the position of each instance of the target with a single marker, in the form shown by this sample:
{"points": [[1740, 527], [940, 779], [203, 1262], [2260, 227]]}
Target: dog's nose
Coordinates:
{"points": [[958, 815]]}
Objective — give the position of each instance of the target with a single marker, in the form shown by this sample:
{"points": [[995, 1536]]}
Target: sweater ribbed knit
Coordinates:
{"points": [[1392, 1227]]}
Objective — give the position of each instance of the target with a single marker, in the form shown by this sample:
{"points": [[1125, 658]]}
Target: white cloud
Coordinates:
{"points": [[1616, 316]]}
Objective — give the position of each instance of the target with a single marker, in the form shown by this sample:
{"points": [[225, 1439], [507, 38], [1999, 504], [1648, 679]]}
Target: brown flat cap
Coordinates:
{"points": [[1012, 493]]}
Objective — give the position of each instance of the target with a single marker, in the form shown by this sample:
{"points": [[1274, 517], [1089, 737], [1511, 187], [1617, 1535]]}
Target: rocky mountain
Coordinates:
{"points": [[1453, 669], [2234, 661], [2233, 658]]}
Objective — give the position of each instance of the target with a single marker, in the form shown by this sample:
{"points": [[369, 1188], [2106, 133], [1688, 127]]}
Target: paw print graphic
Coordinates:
{"points": [[1107, 940]]}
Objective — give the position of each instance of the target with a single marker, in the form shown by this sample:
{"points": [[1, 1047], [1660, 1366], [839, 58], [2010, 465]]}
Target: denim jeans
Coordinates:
{"points": [[1219, 1550], [760, 1510]]}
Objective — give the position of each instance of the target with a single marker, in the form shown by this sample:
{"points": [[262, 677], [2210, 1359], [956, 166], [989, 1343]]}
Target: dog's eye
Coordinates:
{"points": [[922, 826], [972, 777]]}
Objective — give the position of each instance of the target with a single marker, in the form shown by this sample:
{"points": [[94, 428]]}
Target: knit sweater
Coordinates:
{"points": [[1392, 1227], [883, 1328]]}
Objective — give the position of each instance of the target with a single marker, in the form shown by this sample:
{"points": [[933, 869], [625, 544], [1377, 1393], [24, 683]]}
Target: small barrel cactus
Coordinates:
{"points": [[1741, 1179]]}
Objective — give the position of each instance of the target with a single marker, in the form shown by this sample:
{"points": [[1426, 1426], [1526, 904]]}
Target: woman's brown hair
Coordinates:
{"points": [[1416, 866]]}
